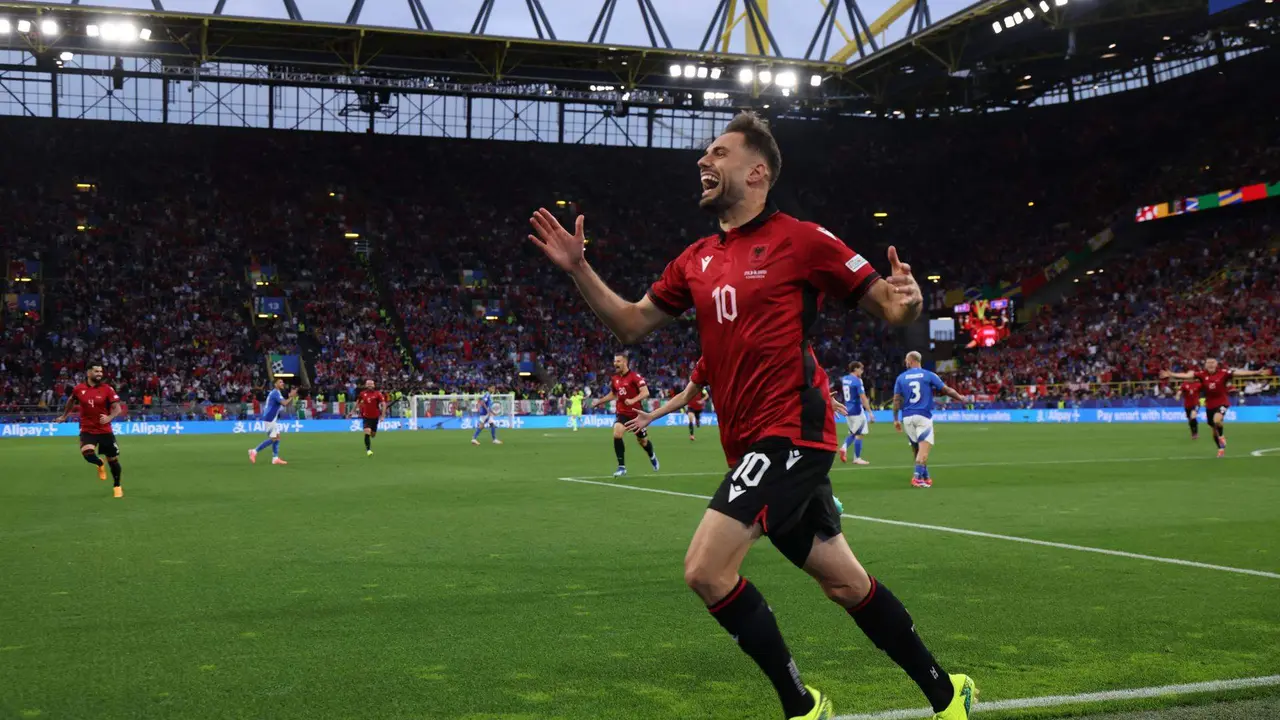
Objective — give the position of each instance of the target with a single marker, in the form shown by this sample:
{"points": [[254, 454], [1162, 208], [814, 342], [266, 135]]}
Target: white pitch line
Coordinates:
{"points": [[1264, 451], [1075, 461], [976, 533], [1085, 698]]}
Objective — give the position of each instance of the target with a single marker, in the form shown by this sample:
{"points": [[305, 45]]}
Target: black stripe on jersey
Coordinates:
{"points": [[813, 401], [861, 290]]}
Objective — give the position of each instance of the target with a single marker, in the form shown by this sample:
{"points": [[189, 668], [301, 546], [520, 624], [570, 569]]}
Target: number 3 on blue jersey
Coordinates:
{"points": [[915, 391]]}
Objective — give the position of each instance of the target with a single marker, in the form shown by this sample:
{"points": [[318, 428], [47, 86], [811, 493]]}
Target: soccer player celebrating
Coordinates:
{"points": [[276, 401], [913, 397], [1216, 383], [857, 413], [630, 390], [757, 286], [373, 405], [487, 411], [1190, 393], [99, 406]]}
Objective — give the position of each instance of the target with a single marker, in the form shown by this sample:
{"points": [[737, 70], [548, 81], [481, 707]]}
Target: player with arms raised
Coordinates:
{"points": [[276, 401], [1216, 383], [1189, 391], [757, 286], [630, 390], [913, 397], [99, 406], [373, 406], [857, 413], [488, 418]]}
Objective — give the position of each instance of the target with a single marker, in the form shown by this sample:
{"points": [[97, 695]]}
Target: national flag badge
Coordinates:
{"points": [[758, 253]]}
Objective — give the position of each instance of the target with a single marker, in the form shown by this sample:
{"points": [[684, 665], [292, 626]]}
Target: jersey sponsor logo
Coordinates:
{"points": [[855, 263], [706, 260], [754, 274]]}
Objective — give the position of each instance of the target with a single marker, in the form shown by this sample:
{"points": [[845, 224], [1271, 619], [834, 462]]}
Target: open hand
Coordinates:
{"points": [[897, 425], [564, 249], [640, 421]]}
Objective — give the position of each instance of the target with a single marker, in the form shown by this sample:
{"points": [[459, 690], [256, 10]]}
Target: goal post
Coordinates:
{"points": [[464, 407]]}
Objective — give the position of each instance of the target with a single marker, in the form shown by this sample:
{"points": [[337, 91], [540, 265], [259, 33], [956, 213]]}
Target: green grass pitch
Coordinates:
{"points": [[441, 580]]}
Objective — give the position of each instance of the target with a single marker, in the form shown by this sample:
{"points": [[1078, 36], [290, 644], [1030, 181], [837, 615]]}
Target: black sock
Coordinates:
{"points": [[368, 443], [690, 427], [1195, 426], [116, 470], [93, 459], [620, 450], [648, 447], [888, 625], [747, 617]]}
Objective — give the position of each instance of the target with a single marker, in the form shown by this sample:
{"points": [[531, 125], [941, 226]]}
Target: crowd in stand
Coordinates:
{"points": [[446, 293]]}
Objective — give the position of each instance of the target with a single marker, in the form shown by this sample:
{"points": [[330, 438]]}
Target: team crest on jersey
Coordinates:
{"points": [[758, 252], [705, 262]]}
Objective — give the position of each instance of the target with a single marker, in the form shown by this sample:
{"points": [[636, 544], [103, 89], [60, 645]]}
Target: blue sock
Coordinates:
{"points": [[924, 471], [275, 448], [847, 441], [493, 431], [263, 445], [857, 447], [920, 471], [479, 428]]}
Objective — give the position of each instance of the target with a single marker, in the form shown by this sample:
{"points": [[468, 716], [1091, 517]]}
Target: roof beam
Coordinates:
{"points": [[420, 15], [353, 17]]}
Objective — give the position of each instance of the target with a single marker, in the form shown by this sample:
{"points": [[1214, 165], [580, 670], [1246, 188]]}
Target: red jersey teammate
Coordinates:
{"points": [[99, 406], [1190, 392], [693, 411], [757, 286], [1216, 383], [630, 390], [373, 405]]}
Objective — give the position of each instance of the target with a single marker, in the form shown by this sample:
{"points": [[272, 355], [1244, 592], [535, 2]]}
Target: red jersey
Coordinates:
{"points": [[1216, 387], [1190, 392], [626, 387], [95, 401], [370, 402], [757, 290], [699, 377]]}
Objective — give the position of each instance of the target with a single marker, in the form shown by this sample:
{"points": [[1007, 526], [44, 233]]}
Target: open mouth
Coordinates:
{"points": [[709, 182]]}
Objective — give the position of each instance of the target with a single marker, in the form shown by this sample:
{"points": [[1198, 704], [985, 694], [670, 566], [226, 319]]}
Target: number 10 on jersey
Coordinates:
{"points": [[726, 300]]}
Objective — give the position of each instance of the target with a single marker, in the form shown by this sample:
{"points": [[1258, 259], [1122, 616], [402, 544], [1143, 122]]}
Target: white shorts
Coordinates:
{"points": [[273, 428], [919, 429], [858, 424]]}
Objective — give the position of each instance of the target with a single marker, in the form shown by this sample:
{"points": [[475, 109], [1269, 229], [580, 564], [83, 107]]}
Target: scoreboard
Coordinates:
{"points": [[986, 322]]}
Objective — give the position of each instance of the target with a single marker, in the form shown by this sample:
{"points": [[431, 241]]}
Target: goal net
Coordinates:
{"points": [[427, 411]]}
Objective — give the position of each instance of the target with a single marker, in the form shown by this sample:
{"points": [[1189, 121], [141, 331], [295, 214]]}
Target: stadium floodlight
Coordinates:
{"points": [[786, 79], [144, 34], [1026, 12], [128, 32], [715, 73], [66, 56], [92, 30], [24, 26], [1017, 18], [690, 71], [5, 27], [702, 72], [1112, 46], [675, 70], [109, 31], [48, 27], [766, 76], [997, 27], [746, 75], [815, 81], [1060, 3], [626, 96], [1044, 6], [786, 92]]}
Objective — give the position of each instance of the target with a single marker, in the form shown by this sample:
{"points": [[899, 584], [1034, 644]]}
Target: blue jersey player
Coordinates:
{"points": [[488, 418], [913, 398], [857, 413], [276, 401]]}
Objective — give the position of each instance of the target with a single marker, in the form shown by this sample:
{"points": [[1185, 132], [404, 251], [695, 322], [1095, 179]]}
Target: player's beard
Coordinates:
{"points": [[726, 196]]}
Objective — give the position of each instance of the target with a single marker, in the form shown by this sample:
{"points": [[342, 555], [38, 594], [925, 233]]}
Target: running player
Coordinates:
{"points": [[913, 397], [99, 406], [682, 400], [373, 406], [488, 418], [276, 401], [575, 409], [630, 390], [757, 286], [1190, 393], [857, 413], [693, 411], [1216, 384]]}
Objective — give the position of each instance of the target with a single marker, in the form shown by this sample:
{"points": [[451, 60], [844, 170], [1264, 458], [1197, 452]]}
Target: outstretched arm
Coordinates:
{"points": [[953, 393], [1177, 376], [644, 419], [1251, 373], [601, 401], [629, 321]]}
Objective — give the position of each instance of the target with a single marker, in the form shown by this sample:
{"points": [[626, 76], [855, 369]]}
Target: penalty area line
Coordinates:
{"points": [[1050, 701], [1264, 451], [974, 533]]}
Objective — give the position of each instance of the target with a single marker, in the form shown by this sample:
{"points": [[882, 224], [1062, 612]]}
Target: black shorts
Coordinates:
{"points": [[787, 490], [620, 420], [371, 424], [697, 414], [106, 444], [1211, 410], [1192, 412]]}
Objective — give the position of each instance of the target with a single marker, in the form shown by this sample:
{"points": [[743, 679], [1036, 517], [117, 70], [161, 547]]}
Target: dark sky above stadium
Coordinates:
{"points": [[793, 21]]}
